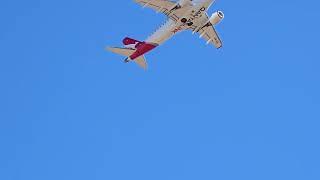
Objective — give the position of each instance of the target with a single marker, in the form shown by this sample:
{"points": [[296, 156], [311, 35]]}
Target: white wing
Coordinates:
{"points": [[207, 31], [211, 36], [157, 5], [172, 9]]}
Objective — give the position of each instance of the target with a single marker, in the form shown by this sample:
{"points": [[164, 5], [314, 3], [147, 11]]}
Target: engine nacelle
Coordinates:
{"points": [[216, 17]]}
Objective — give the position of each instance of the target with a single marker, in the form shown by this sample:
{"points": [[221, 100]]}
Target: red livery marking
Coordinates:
{"points": [[142, 48], [128, 41], [177, 29]]}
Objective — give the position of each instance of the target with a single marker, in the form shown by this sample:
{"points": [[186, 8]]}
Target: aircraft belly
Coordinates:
{"points": [[165, 32]]}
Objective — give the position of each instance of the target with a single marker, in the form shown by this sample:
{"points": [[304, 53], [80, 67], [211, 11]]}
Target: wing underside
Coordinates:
{"points": [[163, 6], [171, 9], [211, 36], [174, 12], [207, 32]]}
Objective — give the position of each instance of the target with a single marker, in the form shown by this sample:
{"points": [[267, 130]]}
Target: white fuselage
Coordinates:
{"points": [[190, 13]]}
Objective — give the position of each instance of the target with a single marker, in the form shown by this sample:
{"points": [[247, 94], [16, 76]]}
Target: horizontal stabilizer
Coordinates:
{"points": [[121, 51], [141, 61], [127, 52]]}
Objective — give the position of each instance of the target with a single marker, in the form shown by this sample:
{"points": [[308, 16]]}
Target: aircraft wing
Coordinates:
{"points": [[211, 36], [167, 7], [157, 5], [208, 32]]}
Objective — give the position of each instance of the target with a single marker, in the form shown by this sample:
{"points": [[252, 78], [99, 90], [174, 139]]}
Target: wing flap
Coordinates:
{"points": [[207, 32], [211, 36]]}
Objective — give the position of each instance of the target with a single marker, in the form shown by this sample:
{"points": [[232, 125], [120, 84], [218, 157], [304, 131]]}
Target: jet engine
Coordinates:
{"points": [[216, 18]]}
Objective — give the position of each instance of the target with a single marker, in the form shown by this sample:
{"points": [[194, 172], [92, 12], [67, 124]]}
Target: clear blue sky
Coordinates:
{"points": [[70, 110]]}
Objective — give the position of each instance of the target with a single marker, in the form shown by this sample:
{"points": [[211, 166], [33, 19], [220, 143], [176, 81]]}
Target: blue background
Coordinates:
{"points": [[71, 110]]}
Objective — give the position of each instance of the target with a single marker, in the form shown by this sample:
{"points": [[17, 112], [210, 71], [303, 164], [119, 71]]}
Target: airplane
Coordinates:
{"points": [[182, 15]]}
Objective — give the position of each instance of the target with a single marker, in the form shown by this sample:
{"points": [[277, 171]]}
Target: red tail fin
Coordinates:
{"points": [[140, 47], [129, 41]]}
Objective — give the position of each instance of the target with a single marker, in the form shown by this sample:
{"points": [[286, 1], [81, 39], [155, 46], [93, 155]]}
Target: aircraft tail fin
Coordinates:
{"points": [[141, 61], [129, 41]]}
